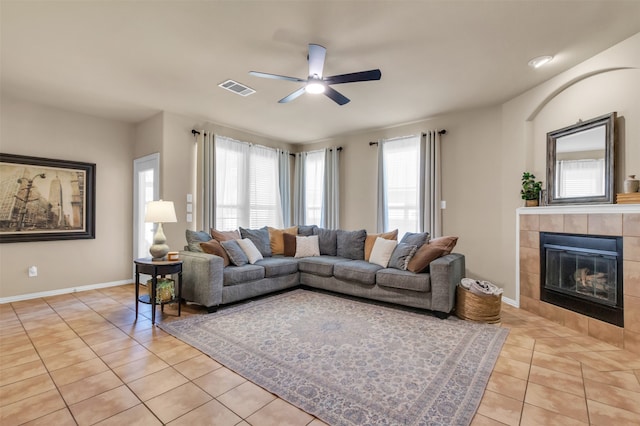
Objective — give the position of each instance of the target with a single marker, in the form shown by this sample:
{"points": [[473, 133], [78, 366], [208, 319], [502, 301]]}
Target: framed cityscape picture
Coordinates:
{"points": [[42, 199]]}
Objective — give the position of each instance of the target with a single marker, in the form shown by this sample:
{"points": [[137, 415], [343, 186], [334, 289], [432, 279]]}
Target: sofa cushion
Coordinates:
{"points": [[402, 255], [278, 266], [214, 247], [382, 251], [307, 246], [250, 249], [358, 270], [327, 240], [276, 238], [289, 244], [415, 238], [429, 252], [405, 280], [235, 252], [306, 230], [351, 244], [225, 235], [260, 238], [241, 274], [371, 240], [195, 238], [320, 265]]}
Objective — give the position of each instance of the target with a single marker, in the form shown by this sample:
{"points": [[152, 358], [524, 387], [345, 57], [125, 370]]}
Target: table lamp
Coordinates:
{"points": [[160, 212]]}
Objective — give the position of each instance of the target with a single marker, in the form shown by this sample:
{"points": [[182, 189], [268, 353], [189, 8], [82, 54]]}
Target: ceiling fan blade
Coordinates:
{"points": [[317, 54], [336, 96], [276, 76], [292, 96], [354, 77]]}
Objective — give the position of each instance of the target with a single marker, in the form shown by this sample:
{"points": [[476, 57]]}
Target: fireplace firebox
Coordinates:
{"points": [[583, 273]]}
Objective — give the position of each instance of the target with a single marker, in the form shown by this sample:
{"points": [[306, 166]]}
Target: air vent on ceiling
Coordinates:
{"points": [[235, 87]]}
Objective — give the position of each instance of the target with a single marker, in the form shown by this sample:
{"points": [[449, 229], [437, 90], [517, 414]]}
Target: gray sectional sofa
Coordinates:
{"points": [[208, 282]]}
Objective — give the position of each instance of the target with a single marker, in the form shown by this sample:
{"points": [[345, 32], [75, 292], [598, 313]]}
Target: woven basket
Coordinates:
{"points": [[470, 306]]}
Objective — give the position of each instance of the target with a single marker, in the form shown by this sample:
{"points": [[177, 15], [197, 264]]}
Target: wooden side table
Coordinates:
{"points": [[157, 268]]}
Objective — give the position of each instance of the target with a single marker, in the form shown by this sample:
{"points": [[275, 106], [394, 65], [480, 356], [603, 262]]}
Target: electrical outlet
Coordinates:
{"points": [[33, 271]]}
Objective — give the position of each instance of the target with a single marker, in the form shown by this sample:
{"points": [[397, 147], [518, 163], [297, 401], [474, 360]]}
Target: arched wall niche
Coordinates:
{"points": [[587, 96]]}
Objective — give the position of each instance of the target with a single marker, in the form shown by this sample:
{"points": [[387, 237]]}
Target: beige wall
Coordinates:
{"points": [[484, 154], [170, 134], [610, 81], [35, 130], [486, 151], [471, 183]]}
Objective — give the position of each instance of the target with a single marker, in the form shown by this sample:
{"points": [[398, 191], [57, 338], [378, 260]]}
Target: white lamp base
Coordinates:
{"points": [[159, 249]]}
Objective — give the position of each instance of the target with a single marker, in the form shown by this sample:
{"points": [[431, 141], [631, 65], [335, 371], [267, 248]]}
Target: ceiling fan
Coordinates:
{"points": [[315, 83]]}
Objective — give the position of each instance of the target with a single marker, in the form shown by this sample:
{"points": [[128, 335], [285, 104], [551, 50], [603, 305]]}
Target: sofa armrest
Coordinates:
{"points": [[202, 278], [446, 273]]}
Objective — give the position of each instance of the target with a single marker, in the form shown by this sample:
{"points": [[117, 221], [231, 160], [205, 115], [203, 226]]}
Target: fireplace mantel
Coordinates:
{"points": [[597, 219], [581, 209]]}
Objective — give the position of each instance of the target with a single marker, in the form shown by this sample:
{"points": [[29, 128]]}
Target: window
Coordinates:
{"points": [[247, 190], [580, 178], [401, 183], [409, 184], [314, 186]]}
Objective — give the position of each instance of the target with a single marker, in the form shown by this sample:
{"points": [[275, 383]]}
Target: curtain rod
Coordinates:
{"points": [[440, 132], [195, 132], [330, 149]]}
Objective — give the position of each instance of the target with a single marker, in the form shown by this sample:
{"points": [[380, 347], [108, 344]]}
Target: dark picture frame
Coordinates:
{"points": [[43, 199]]}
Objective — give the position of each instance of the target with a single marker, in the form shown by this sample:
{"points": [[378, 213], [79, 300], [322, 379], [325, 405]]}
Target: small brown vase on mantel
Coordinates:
{"points": [[631, 184], [531, 203]]}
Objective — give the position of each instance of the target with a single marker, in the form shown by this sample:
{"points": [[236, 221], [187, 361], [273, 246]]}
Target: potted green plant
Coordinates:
{"points": [[531, 188]]}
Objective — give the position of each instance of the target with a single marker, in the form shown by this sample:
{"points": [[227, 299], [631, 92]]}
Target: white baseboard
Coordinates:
{"points": [[511, 302], [63, 291]]}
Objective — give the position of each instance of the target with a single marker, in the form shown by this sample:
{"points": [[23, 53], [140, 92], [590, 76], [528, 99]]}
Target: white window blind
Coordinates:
{"points": [[580, 178]]}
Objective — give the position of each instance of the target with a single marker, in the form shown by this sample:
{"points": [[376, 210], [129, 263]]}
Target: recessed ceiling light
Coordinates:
{"points": [[540, 61]]}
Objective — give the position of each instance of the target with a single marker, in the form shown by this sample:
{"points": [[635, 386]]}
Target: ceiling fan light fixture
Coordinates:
{"points": [[315, 87], [540, 61]]}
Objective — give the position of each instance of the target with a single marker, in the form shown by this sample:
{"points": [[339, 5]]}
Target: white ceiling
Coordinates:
{"points": [[128, 60]]}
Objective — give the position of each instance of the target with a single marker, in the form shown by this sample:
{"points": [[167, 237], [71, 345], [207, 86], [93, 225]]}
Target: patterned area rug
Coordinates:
{"points": [[349, 362]]}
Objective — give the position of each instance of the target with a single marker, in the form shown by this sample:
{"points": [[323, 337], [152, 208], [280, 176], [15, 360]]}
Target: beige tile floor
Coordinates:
{"points": [[83, 359]]}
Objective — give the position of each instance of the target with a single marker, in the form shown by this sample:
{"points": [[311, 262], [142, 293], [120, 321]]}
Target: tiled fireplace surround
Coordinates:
{"points": [[615, 220]]}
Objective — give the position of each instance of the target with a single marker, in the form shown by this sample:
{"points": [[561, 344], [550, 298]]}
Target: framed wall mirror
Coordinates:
{"points": [[580, 162]]}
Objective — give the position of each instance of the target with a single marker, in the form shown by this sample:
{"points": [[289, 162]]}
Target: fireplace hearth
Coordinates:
{"points": [[583, 273]]}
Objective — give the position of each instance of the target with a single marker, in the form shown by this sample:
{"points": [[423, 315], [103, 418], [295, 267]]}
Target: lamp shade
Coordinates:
{"points": [[160, 212]]}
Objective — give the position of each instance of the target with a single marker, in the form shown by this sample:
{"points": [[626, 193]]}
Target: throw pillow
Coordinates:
{"points": [[247, 246], [415, 238], [225, 235], [307, 246], [214, 247], [276, 238], [382, 250], [371, 240], [327, 240], [260, 238], [195, 238], [289, 244], [401, 256], [429, 252], [306, 230], [235, 252], [351, 244]]}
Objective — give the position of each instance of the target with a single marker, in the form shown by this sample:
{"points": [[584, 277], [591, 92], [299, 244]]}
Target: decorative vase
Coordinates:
{"points": [[531, 203], [631, 184]]}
